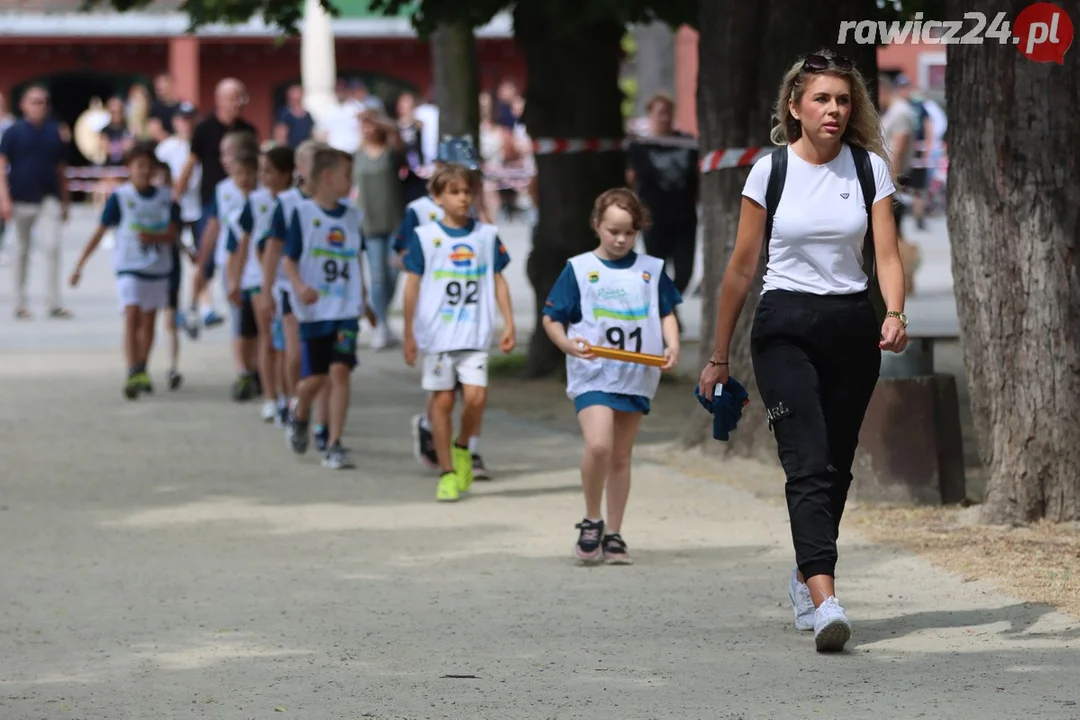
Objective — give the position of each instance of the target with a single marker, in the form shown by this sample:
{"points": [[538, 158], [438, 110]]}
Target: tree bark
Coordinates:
{"points": [[572, 92], [1014, 227], [456, 76], [740, 70]]}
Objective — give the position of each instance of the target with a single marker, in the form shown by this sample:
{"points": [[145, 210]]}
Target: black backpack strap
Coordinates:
{"points": [[775, 189], [865, 172]]}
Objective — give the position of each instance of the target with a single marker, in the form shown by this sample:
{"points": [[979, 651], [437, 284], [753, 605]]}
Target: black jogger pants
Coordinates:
{"points": [[816, 360]]}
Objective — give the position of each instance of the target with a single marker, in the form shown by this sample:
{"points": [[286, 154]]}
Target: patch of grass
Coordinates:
{"points": [[507, 366], [1038, 562]]}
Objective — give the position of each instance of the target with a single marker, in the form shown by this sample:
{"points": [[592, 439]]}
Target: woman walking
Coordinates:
{"points": [[816, 340], [377, 180]]}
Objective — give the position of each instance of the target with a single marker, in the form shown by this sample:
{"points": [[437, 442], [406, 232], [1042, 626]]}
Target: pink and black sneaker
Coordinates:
{"points": [[588, 549]]}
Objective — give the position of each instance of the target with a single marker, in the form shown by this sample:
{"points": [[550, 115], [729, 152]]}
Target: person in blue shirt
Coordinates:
{"points": [[611, 297], [146, 221], [34, 192]]}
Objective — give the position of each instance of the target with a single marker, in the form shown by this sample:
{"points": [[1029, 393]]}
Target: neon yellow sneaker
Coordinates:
{"points": [[463, 467], [447, 490]]}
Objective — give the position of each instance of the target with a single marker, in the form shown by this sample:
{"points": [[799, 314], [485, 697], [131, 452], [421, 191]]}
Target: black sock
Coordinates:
{"points": [[132, 372], [459, 446], [140, 367]]}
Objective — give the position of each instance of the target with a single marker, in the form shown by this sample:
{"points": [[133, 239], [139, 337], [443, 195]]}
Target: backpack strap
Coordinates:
{"points": [[865, 172], [773, 191]]}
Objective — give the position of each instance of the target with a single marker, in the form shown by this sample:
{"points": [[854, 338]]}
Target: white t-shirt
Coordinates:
{"points": [[174, 152], [342, 126], [819, 225]]}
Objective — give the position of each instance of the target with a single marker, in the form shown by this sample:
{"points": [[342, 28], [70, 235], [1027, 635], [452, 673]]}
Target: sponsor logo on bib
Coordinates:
{"points": [[462, 255], [335, 237]]}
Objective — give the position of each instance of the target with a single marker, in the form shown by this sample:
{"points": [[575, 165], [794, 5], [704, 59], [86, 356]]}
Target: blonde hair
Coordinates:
{"points": [[305, 155], [864, 124]]}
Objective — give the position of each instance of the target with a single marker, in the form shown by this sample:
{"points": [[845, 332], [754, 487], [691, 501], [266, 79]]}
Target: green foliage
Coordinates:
{"points": [[426, 14], [572, 14], [285, 14]]}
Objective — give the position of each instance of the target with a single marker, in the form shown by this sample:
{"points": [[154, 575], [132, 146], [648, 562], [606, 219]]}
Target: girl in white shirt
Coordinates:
{"points": [[816, 340]]}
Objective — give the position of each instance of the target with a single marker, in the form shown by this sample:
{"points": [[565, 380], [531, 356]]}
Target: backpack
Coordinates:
{"points": [[920, 113], [865, 172]]}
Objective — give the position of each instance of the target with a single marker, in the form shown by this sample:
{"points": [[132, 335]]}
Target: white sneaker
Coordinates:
{"points": [[380, 337], [831, 627], [269, 411], [801, 603]]}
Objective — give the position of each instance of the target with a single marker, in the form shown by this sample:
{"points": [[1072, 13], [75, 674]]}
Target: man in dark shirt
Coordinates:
{"points": [[230, 96], [33, 191], [665, 177], [165, 106], [294, 124]]}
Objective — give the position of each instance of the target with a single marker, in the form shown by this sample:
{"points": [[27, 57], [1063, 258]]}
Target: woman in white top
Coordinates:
{"points": [[816, 340]]}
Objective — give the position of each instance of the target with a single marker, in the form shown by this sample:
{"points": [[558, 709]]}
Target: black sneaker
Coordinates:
{"points": [[322, 437], [479, 472], [588, 549], [424, 444], [337, 458], [243, 389], [615, 552], [174, 379], [297, 435]]}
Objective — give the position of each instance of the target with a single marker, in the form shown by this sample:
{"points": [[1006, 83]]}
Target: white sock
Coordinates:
{"points": [[424, 422], [474, 442]]}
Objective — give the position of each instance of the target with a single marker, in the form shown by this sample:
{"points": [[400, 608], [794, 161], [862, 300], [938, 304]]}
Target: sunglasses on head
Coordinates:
{"points": [[820, 63]]}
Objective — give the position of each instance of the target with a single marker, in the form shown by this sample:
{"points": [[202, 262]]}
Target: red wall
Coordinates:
{"points": [[258, 62]]}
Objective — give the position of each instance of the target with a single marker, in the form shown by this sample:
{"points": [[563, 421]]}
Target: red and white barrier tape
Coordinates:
{"points": [[732, 157], [711, 161]]}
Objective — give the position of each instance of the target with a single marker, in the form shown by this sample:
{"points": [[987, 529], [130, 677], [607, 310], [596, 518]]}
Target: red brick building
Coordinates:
{"points": [[82, 55]]}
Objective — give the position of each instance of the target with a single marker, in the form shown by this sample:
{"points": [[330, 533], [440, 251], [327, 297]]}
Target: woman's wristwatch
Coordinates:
{"points": [[899, 316]]}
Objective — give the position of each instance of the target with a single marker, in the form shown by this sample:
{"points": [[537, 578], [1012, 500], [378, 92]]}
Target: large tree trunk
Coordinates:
{"points": [[1014, 226], [573, 92], [745, 50], [456, 79]]}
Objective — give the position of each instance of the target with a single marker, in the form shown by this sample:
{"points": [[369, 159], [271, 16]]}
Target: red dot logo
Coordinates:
{"points": [[1043, 32]]}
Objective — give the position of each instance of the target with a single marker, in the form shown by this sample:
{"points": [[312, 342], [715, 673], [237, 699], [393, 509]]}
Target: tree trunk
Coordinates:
{"points": [[572, 92], [739, 75], [456, 75], [1014, 227]]}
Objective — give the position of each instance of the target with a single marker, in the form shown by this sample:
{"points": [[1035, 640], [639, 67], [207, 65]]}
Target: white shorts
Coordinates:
{"points": [[444, 371], [144, 293]]}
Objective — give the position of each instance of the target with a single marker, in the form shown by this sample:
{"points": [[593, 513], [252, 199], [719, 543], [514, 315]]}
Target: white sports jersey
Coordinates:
{"points": [[140, 214], [621, 309], [330, 263], [456, 308], [263, 203], [426, 210], [289, 201], [230, 201]]}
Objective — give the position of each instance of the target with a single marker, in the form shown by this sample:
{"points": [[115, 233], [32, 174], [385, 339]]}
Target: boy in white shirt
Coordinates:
{"points": [[146, 221], [453, 285], [322, 263]]}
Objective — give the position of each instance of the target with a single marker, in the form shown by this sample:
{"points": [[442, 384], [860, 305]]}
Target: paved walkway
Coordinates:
{"points": [[170, 558]]}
